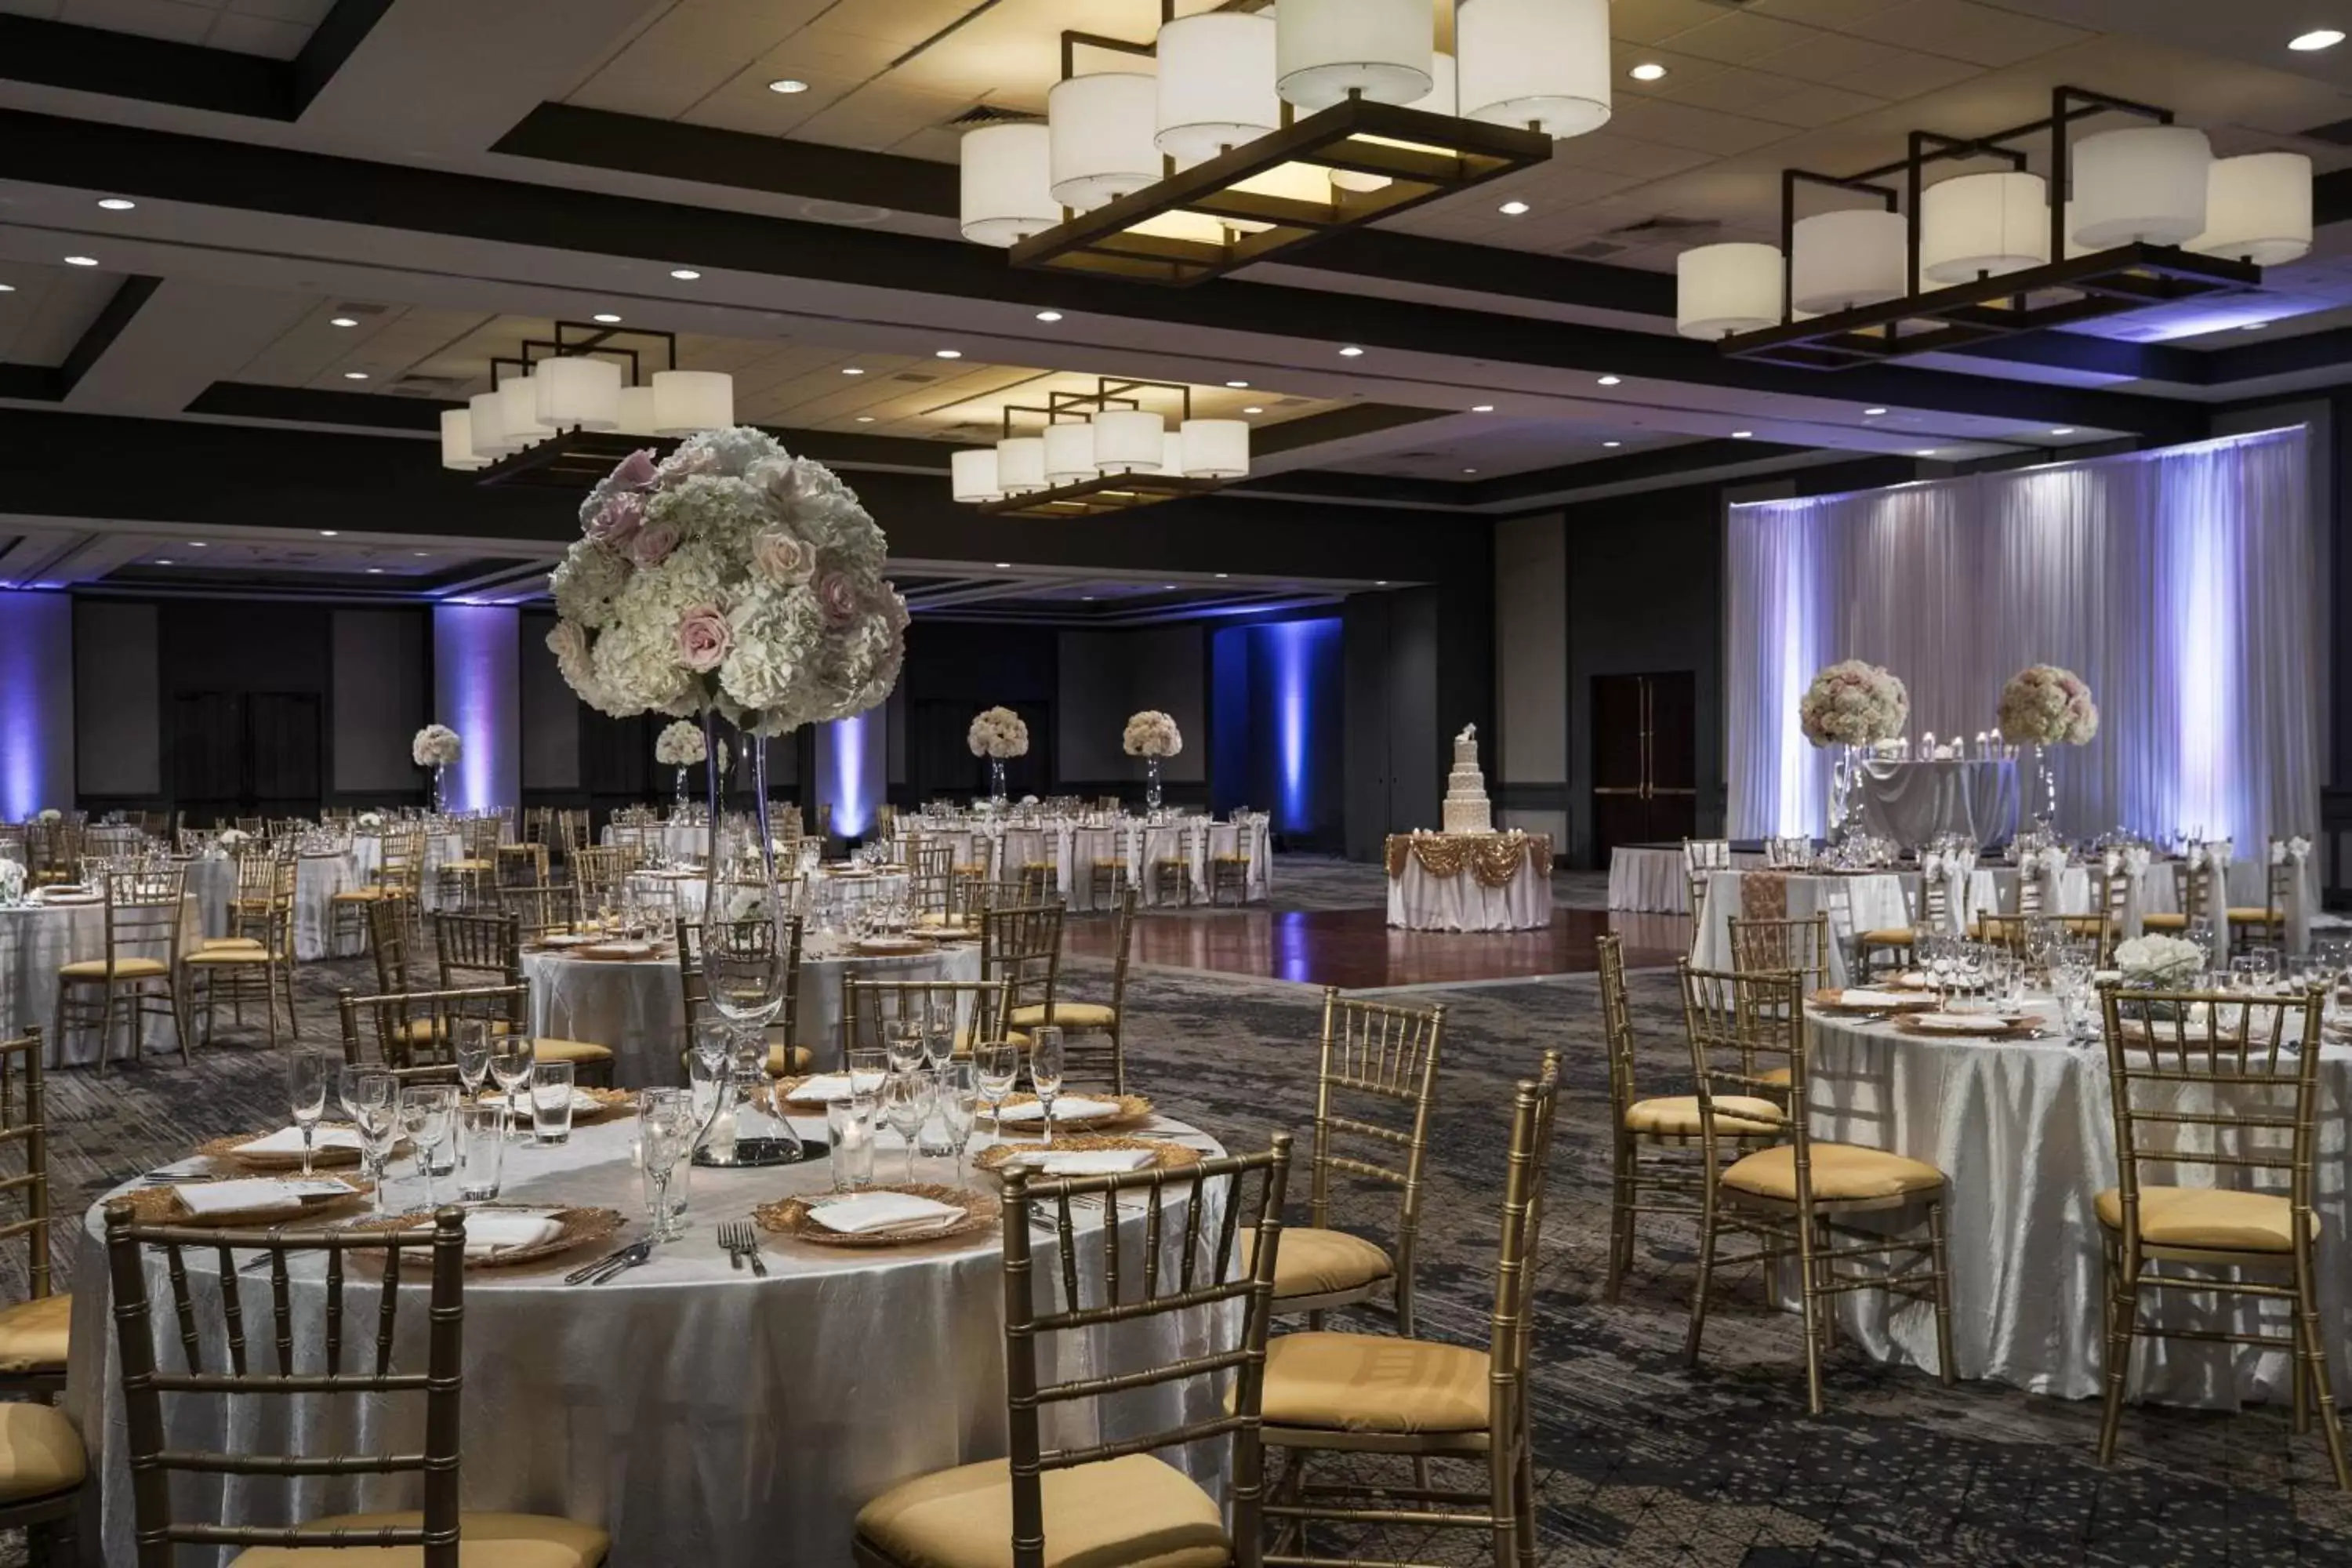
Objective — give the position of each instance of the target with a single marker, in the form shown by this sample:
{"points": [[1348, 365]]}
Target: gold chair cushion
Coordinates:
{"points": [[1036, 865], [1373, 1382], [484, 1541], [1066, 1014], [1843, 1172], [1236, 859], [40, 1453], [2163, 922], [1777, 1077], [1678, 1115], [800, 1061], [1889, 936], [1313, 1262], [222, 943], [465, 865], [358, 895], [2249, 914], [124, 969], [1109, 865], [1134, 1512], [544, 1049], [214, 957], [971, 869], [2208, 1218], [34, 1334]]}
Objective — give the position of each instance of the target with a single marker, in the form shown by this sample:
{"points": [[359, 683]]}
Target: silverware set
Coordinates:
{"points": [[742, 1245], [611, 1264]]}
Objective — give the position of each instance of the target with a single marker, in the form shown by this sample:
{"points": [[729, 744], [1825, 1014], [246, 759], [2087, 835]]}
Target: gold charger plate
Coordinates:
{"points": [[1833, 998], [890, 947], [790, 1217], [1132, 1108], [620, 952], [579, 1227], [162, 1205], [1171, 1156], [1992, 1028], [231, 1146]]}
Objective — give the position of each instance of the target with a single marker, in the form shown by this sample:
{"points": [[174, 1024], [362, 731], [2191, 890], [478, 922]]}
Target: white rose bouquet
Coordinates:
{"points": [[1153, 733], [371, 820], [233, 838], [730, 575], [680, 745], [2043, 705], [998, 733], [51, 814], [435, 746], [2159, 960], [1852, 703]]}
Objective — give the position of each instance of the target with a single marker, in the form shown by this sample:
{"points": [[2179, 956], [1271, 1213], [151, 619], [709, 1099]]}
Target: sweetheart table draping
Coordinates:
{"points": [[700, 1415], [1469, 881], [1914, 803]]}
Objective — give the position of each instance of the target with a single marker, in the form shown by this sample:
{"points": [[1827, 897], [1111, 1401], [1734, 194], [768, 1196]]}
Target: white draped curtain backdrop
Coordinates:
{"points": [[2181, 584]]}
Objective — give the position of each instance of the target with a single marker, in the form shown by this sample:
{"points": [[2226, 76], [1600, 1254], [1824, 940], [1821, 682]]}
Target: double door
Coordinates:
{"points": [[1644, 760], [247, 753]]}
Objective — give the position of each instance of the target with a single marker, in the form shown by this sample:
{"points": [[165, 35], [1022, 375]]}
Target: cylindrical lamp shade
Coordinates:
{"points": [[579, 392], [1439, 100], [1070, 453], [1983, 225], [2146, 184], [486, 413], [518, 411], [1327, 49], [2258, 208], [1538, 63], [974, 475], [1021, 464], [688, 400], [1007, 183], [1102, 128], [1216, 84], [457, 440], [1217, 449], [1720, 290], [1857, 256], [1171, 461], [1130, 440], [638, 415]]}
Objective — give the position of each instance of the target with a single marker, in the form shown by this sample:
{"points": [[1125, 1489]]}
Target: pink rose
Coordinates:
{"points": [[652, 543], [837, 596], [687, 462], [703, 637], [637, 470], [781, 556], [617, 520]]}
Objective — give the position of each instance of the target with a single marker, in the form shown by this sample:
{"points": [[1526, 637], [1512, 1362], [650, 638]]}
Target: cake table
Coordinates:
{"points": [[1469, 878]]}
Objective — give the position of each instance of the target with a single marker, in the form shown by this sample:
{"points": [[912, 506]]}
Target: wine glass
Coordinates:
{"points": [[958, 1100], [374, 1105], [425, 1111], [998, 1067], [667, 1128], [473, 1047], [306, 1096], [511, 1064], [938, 1035], [904, 1043], [350, 1079], [1046, 1070], [902, 1108]]}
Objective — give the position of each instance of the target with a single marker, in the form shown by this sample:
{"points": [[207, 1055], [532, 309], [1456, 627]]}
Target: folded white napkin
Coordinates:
{"points": [[1858, 996], [256, 1193], [880, 1211], [490, 1231], [1067, 1109], [826, 1087], [288, 1141], [1088, 1161]]}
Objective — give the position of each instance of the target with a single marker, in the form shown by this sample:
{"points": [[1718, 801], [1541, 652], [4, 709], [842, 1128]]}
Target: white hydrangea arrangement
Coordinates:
{"points": [[729, 575], [233, 838], [435, 746], [1854, 703], [2159, 960], [12, 881], [680, 745], [2043, 705], [368, 820], [51, 814], [1153, 733], [998, 733]]}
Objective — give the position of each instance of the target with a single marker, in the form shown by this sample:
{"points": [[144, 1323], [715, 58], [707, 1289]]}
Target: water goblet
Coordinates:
{"points": [[550, 1101], [904, 1042], [374, 1105], [510, 1064], [1045, 1071], [666, 1129], [2248, 972], [306, 1096], [959, 1099], [997, 1065], [425, 1111]]}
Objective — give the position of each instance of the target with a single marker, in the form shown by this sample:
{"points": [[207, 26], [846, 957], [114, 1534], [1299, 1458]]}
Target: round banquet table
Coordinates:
{"points": [[2024, 1133], [1912, 802], [697, 1412], [638, 1007], [36, 941], [834, 894], [674, 841]]}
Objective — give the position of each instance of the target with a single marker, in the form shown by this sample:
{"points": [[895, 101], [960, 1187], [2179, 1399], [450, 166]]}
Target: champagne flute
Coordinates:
{"points": [[510, 1064], [902, 1108], [424, 1112], [306, 1096], [998, 1065], [959, 1095], [375, 1111], [473, 1047], [1046, 1070], [938, 1034], [904, 1042]]}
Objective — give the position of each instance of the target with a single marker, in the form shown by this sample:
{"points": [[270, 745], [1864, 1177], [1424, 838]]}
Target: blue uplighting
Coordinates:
{"points": [[1296, 646], [852, 811]]}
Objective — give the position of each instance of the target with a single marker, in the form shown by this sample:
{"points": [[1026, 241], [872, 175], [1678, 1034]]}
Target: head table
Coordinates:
{"points": [[697, 1412]]}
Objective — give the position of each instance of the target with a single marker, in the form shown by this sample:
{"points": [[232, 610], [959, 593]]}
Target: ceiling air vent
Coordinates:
{"points": [[1667, 230], [1593, 249], [913, 375], [350, 310], [988, 114], [447, 388]]}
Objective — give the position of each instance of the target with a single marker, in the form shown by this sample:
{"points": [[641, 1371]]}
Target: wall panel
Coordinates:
{"points": [[116, 716]]}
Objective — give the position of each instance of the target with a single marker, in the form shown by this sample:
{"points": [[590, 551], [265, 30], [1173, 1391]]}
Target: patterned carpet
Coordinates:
{"points": [[1641, 1461]]}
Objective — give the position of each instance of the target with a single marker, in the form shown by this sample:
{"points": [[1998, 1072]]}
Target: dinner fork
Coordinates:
{"points": [[742, 1244]]}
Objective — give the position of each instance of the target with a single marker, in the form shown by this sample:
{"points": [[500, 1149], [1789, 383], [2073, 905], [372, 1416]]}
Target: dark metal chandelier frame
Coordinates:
{"points": [[574, 459], [1123, 490]]}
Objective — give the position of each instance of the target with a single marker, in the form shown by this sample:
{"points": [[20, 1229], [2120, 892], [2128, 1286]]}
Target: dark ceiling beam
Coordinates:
{"points": [[48, 150], [190, 76]]}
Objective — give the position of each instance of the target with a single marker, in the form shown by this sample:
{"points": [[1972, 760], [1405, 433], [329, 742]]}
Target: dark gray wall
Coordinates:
{"points": [[118, 697], [383, 669], [1419, 665], [1104, 677], [551, 713]]}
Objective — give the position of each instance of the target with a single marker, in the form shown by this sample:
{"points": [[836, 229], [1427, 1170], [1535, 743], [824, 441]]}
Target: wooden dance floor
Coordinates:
{"points": [[1356, 949]]}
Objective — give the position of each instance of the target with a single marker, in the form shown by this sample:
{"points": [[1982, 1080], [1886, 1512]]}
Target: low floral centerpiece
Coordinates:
{"points": [[233, 838], [1153, 736], [2159, 960], [368, 820], [997, 733]]}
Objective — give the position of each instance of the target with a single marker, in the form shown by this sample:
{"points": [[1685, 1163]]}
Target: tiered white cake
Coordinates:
{"points": [[1465, 807]]}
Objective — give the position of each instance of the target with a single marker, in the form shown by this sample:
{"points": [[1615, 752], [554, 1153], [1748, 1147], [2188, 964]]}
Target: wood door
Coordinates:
{"points": [[1644, 759]]}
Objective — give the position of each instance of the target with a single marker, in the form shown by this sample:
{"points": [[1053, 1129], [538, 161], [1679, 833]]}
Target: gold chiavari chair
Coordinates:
{"points": [[823, 820], [411, 1031], [1108, 879], [439, 1535], [519, 866], [398, 877], [2252, 926], [259, 872], [2197, 887], [886, 822], [602, 873], [788, 1056], [1702, 858], [1171, 869], [1796, 1198], [1659, 1165], [1094, 1041], [1801, 947], [256, 963], [2230, 1083], [2007, 932], [478, 949], [543, 910], [52, 850], [981, 868], [1233, 865], [930, 880], [464, 881], [1365, 1394], [1377, 1062], [253, 824], [1930, 907], [139, 976], [35, 1332], [1021, 944], [1114, 1501], [871, 1008]]}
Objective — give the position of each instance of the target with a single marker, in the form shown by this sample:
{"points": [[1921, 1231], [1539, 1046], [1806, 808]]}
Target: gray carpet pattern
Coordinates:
{"points": [[1641, 1460]]}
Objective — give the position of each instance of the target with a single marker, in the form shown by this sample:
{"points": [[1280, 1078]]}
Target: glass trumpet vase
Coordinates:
{"points": [[1151, 784], [681, 789], [2045, 791], [745, 936], [996, 779], [440, 787]]}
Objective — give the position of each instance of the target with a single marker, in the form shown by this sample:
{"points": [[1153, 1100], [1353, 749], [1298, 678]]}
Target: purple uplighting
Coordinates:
{"points": [[474, 658], [34, 629]]}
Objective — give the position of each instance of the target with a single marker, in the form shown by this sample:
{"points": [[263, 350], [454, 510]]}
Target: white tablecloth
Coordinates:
{"points": [[317, 880], [1876, 900], [2024, 1133], [638, 1007], [36, 942], [673, 841], [1420, 901], [1648, 880], [832, 895], [1912, 802], [1073, 847], [698, 1413], [212, 882]]}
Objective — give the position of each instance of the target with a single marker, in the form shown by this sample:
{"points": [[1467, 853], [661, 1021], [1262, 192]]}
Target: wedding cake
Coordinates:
{"points": [[1465, 807]]}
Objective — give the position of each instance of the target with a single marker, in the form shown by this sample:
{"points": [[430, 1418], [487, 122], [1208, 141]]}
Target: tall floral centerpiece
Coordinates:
{"points": [[682, 745], [997, 733], [1153, 736], [730, 582], [1851, 705], [2044, 706], [437, 747]]}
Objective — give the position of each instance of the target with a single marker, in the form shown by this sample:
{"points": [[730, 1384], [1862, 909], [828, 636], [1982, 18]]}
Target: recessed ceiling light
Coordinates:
{"points": [[788, 84], [420, 552], [342, 321], [609, 318], [946, 353], [1927, 452], [1512, 209], [375, 571], [1379, 582], [1613, 443], [117, 204], [8, 288], [1351, 351], [1469, 471], [1610, 380], [1648, 70], [1254, 408], [159, 561], [2254, 326], [1872, 413], [1168, 587], [355, 375], [1222, 576], [2063, 430], [865, 419], [1089, 598], [1742, 434], [81, 261], [1005, 566], [684, 274], [2319, 38], [1237, 383], [1049, 315], [852, 369], [328, 532], [1482, 408]]}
